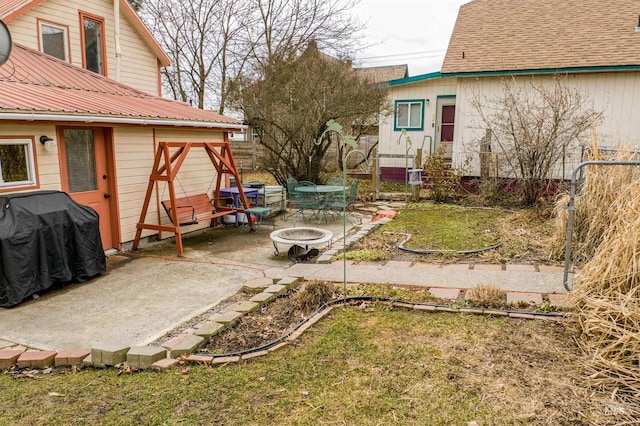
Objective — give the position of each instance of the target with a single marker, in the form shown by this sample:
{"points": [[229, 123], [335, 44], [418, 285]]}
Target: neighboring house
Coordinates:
{"points": [[103, 132], [595, 44], [424, 107]]}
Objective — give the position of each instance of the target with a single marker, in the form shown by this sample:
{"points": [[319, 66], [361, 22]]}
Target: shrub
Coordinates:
{"points": [[486, 295], [444, 180]]}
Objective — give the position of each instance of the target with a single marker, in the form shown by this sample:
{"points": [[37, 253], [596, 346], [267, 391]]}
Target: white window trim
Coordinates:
{"points": [[65, 31], [31, 164]]}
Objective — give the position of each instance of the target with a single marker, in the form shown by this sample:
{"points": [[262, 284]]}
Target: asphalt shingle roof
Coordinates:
{"points": [[513, 35]]}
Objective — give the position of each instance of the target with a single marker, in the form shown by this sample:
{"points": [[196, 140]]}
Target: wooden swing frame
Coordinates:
{"points": [[165, 169]]}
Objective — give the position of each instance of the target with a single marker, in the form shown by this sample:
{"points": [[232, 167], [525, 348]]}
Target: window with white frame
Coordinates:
{"points": [[17, 165], [54, 40], [409, 115]]}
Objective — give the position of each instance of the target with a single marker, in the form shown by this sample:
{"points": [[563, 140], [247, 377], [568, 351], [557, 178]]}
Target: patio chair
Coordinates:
{"points": [[304, 200], [341, 204]]}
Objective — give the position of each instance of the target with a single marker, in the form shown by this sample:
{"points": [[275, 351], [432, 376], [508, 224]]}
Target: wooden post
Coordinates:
{"points": [[374, 173], [485, 155]]}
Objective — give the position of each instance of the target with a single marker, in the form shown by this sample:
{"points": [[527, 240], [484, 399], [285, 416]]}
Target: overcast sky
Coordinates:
{"points": [[412, 32]]}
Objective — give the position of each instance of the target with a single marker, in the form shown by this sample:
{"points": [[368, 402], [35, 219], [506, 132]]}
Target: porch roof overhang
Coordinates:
{"points": [[101, 119]]}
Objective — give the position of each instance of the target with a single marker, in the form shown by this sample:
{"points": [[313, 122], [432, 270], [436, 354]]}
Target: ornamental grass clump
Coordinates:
{"points": [[487, 296], [607, 291], [595, 205], [607, 299]]}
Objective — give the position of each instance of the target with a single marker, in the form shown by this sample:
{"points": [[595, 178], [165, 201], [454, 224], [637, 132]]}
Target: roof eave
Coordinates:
{"points": [[566, 70], [416, 78], [26, 6], [141, 121]]}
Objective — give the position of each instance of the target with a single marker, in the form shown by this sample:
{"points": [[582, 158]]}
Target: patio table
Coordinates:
{"points": [[324, 192], [234, 193], [322, 189]]}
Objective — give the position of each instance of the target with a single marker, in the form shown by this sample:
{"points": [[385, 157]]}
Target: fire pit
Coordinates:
{"points": [[301, 236]]}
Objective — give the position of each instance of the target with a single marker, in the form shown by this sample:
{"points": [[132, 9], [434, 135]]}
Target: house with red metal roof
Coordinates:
{"points": [[81, 112], [593, 46]]}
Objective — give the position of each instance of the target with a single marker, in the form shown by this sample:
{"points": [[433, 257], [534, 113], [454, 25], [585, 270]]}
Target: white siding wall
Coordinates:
{"points": [[429, 89], [616, 94], [138, 66], [134, 159]]}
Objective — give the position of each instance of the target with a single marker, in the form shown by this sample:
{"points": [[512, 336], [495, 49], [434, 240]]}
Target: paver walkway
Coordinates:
{"points": [[427, 275]]}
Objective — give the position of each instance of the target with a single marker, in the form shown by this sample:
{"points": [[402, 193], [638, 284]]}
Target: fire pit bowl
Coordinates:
{"points": [[301, 236]]}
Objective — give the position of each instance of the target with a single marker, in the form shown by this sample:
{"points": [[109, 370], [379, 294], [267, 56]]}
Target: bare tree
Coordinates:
{"points": [[136, 4], [532, 126], [285, 27], [293, 101], [213, 42], [202, 38]]}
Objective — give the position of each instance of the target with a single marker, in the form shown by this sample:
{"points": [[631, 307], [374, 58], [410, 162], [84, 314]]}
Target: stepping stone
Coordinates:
{"points": [[165, 364], [257, 285], [515, 298], [276, 289], [426, 265], [289, 282], [209, 328], [199, 358], [74, 357], [324, 259], [36, 359], [87, 362], [225, 359], [560, 301], [552, 269], [263, 297], [243, 307], [456, 267], [445, 293], [487, 267], [174, 340], [188, 345], [9, 357], [226, 318], [521, 268], [385, 214], [106, 354], [398, 264], [276, 274], [141, 357]]}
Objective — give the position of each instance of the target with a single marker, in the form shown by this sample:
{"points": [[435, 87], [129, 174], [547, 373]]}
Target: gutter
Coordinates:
{"points": [[118, 120]]}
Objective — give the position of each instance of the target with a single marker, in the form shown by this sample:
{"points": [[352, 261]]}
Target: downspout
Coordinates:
{"points": [[116, 19]]}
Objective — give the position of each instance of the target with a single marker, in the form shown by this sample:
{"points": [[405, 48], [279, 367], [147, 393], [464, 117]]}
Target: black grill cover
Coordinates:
{"points": [[46, 238]]}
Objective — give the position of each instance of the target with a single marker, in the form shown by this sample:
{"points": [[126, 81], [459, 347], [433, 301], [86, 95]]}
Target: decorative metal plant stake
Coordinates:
{"points": [[345, 141]]}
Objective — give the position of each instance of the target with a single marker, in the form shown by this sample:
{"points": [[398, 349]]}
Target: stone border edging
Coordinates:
{"points": [[299, 329]]}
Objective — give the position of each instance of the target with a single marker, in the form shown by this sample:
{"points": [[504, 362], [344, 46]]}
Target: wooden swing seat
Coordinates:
{"points": [[191, 209]]}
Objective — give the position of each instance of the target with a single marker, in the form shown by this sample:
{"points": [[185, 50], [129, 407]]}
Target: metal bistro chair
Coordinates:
{"points": [[330, 198], [339, 205], [310, 200], [302, 201]]}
